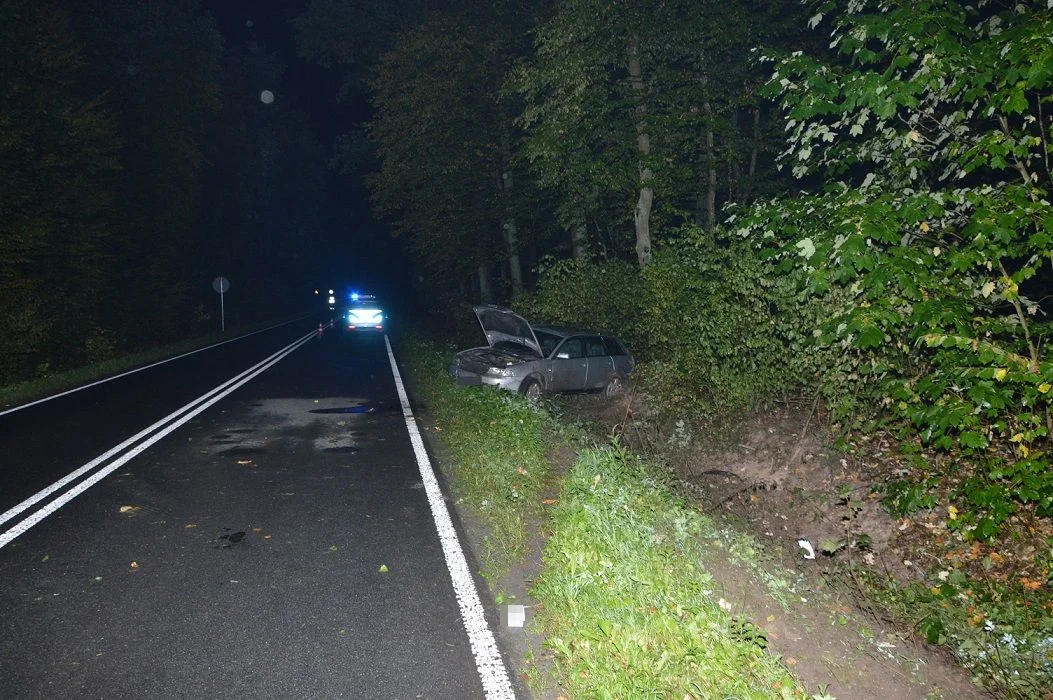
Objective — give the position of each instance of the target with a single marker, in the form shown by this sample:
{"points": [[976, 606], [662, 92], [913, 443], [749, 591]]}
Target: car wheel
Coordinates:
{"points": [[531, 389], [613, 387]]}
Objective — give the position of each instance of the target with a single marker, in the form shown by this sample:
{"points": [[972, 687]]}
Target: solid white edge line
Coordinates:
{"points": [[24, 525], [488, 661], [140, 369]]}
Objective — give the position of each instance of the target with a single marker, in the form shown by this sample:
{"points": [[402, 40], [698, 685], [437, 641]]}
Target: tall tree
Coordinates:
{"points": [[632, 111], [158, 62], [446, 142], [57, 164]]}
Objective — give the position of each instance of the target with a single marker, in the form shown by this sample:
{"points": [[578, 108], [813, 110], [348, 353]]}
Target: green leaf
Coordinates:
{"points": [[972, 440]]}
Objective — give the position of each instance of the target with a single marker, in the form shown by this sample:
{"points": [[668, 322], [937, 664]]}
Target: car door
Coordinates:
{"points": [[597, 361], [569, 366], [621, 360]]}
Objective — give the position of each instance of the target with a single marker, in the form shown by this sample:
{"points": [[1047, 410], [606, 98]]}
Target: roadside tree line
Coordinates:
{"points": [[137, 163], [847, 200]]}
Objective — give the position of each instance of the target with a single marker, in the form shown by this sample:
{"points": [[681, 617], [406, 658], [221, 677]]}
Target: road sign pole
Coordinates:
{"points": [[221, 285]]}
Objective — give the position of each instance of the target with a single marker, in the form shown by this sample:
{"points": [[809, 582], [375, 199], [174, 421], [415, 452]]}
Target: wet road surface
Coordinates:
{"points": [[279, 544]]}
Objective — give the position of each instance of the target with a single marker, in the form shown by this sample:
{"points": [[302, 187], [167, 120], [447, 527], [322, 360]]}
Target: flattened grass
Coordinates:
{"points": [[625, 605]]}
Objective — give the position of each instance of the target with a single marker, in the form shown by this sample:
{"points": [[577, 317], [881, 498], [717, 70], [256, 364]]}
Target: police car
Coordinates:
{"points": [[364, 314]]}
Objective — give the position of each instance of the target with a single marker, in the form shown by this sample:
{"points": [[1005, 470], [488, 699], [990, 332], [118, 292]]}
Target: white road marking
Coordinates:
{"points": [[164, 426], [488, 661], [140, 369]]}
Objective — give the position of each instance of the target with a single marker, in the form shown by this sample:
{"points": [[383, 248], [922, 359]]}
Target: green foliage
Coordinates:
{"points": [[704, 319], [116, 117], [155, 66], [625, 607], [605, 296], [712, 326], [695, 104], [928, 125], [447, 182], [905, 497], [58, 165], [1002, 634]]}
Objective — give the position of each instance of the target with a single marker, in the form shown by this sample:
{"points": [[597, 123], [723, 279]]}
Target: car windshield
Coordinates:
{"points": [[548, 342]]}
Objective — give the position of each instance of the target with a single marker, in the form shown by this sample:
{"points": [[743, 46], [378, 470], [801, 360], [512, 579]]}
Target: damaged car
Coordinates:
{"points": [[537, 359]]}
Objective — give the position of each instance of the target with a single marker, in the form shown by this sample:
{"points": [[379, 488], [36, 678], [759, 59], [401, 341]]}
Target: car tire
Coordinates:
{"points": [[613, 388], [531, 389]]}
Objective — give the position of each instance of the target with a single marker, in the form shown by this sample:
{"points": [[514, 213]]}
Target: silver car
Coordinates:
{"points": [[537, 359]]}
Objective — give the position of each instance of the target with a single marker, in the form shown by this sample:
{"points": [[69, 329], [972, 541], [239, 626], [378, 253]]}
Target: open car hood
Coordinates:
{"points": [[501, 324]]}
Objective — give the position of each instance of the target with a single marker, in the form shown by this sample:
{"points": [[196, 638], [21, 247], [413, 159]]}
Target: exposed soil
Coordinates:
{"points": [[774, 477]]}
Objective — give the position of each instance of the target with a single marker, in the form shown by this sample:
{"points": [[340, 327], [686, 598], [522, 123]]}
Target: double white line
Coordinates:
{"points": [[129, 449]]}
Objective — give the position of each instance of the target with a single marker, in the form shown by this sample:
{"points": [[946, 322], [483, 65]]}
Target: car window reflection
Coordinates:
{"points": [[573, 348]]}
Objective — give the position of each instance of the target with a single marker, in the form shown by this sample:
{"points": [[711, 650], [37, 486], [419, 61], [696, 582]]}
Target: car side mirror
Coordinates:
{"points": [[562, 355]]}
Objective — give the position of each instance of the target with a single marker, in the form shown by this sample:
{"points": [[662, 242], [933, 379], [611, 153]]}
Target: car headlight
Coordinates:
{"points": [[500, 371]]}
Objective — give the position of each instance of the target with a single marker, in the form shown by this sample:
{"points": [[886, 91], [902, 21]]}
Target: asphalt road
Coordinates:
{"points": [[279, 544]]}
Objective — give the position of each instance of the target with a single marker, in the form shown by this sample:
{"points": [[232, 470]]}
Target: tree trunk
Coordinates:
{"points": [[711, 177], [486, 295], [754, 147], [642, 216], [511, 236], [577, 241]]}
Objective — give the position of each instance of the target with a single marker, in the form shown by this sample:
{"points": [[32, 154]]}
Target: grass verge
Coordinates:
{"points": [[623, 602], [495, 442]]}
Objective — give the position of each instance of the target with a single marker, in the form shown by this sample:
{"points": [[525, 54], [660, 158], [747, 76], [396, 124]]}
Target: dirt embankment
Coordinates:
{"points": [[808, 509]]}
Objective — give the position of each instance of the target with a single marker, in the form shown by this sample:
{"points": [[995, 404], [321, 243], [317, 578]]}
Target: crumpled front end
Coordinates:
{"points": [[489, 367]]}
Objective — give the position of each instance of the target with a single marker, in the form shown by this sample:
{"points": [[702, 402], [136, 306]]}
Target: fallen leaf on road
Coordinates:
{"points": [[190, 525], [134, 565], [129, 509], [383, 568]]}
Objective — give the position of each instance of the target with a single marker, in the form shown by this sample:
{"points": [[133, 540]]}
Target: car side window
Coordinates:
{"points": [[594, 347], [614, 346], [573, 347]]}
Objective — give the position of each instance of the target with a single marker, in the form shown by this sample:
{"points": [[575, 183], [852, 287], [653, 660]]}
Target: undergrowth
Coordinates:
{"points": [[625, 604], [623, 601]]}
